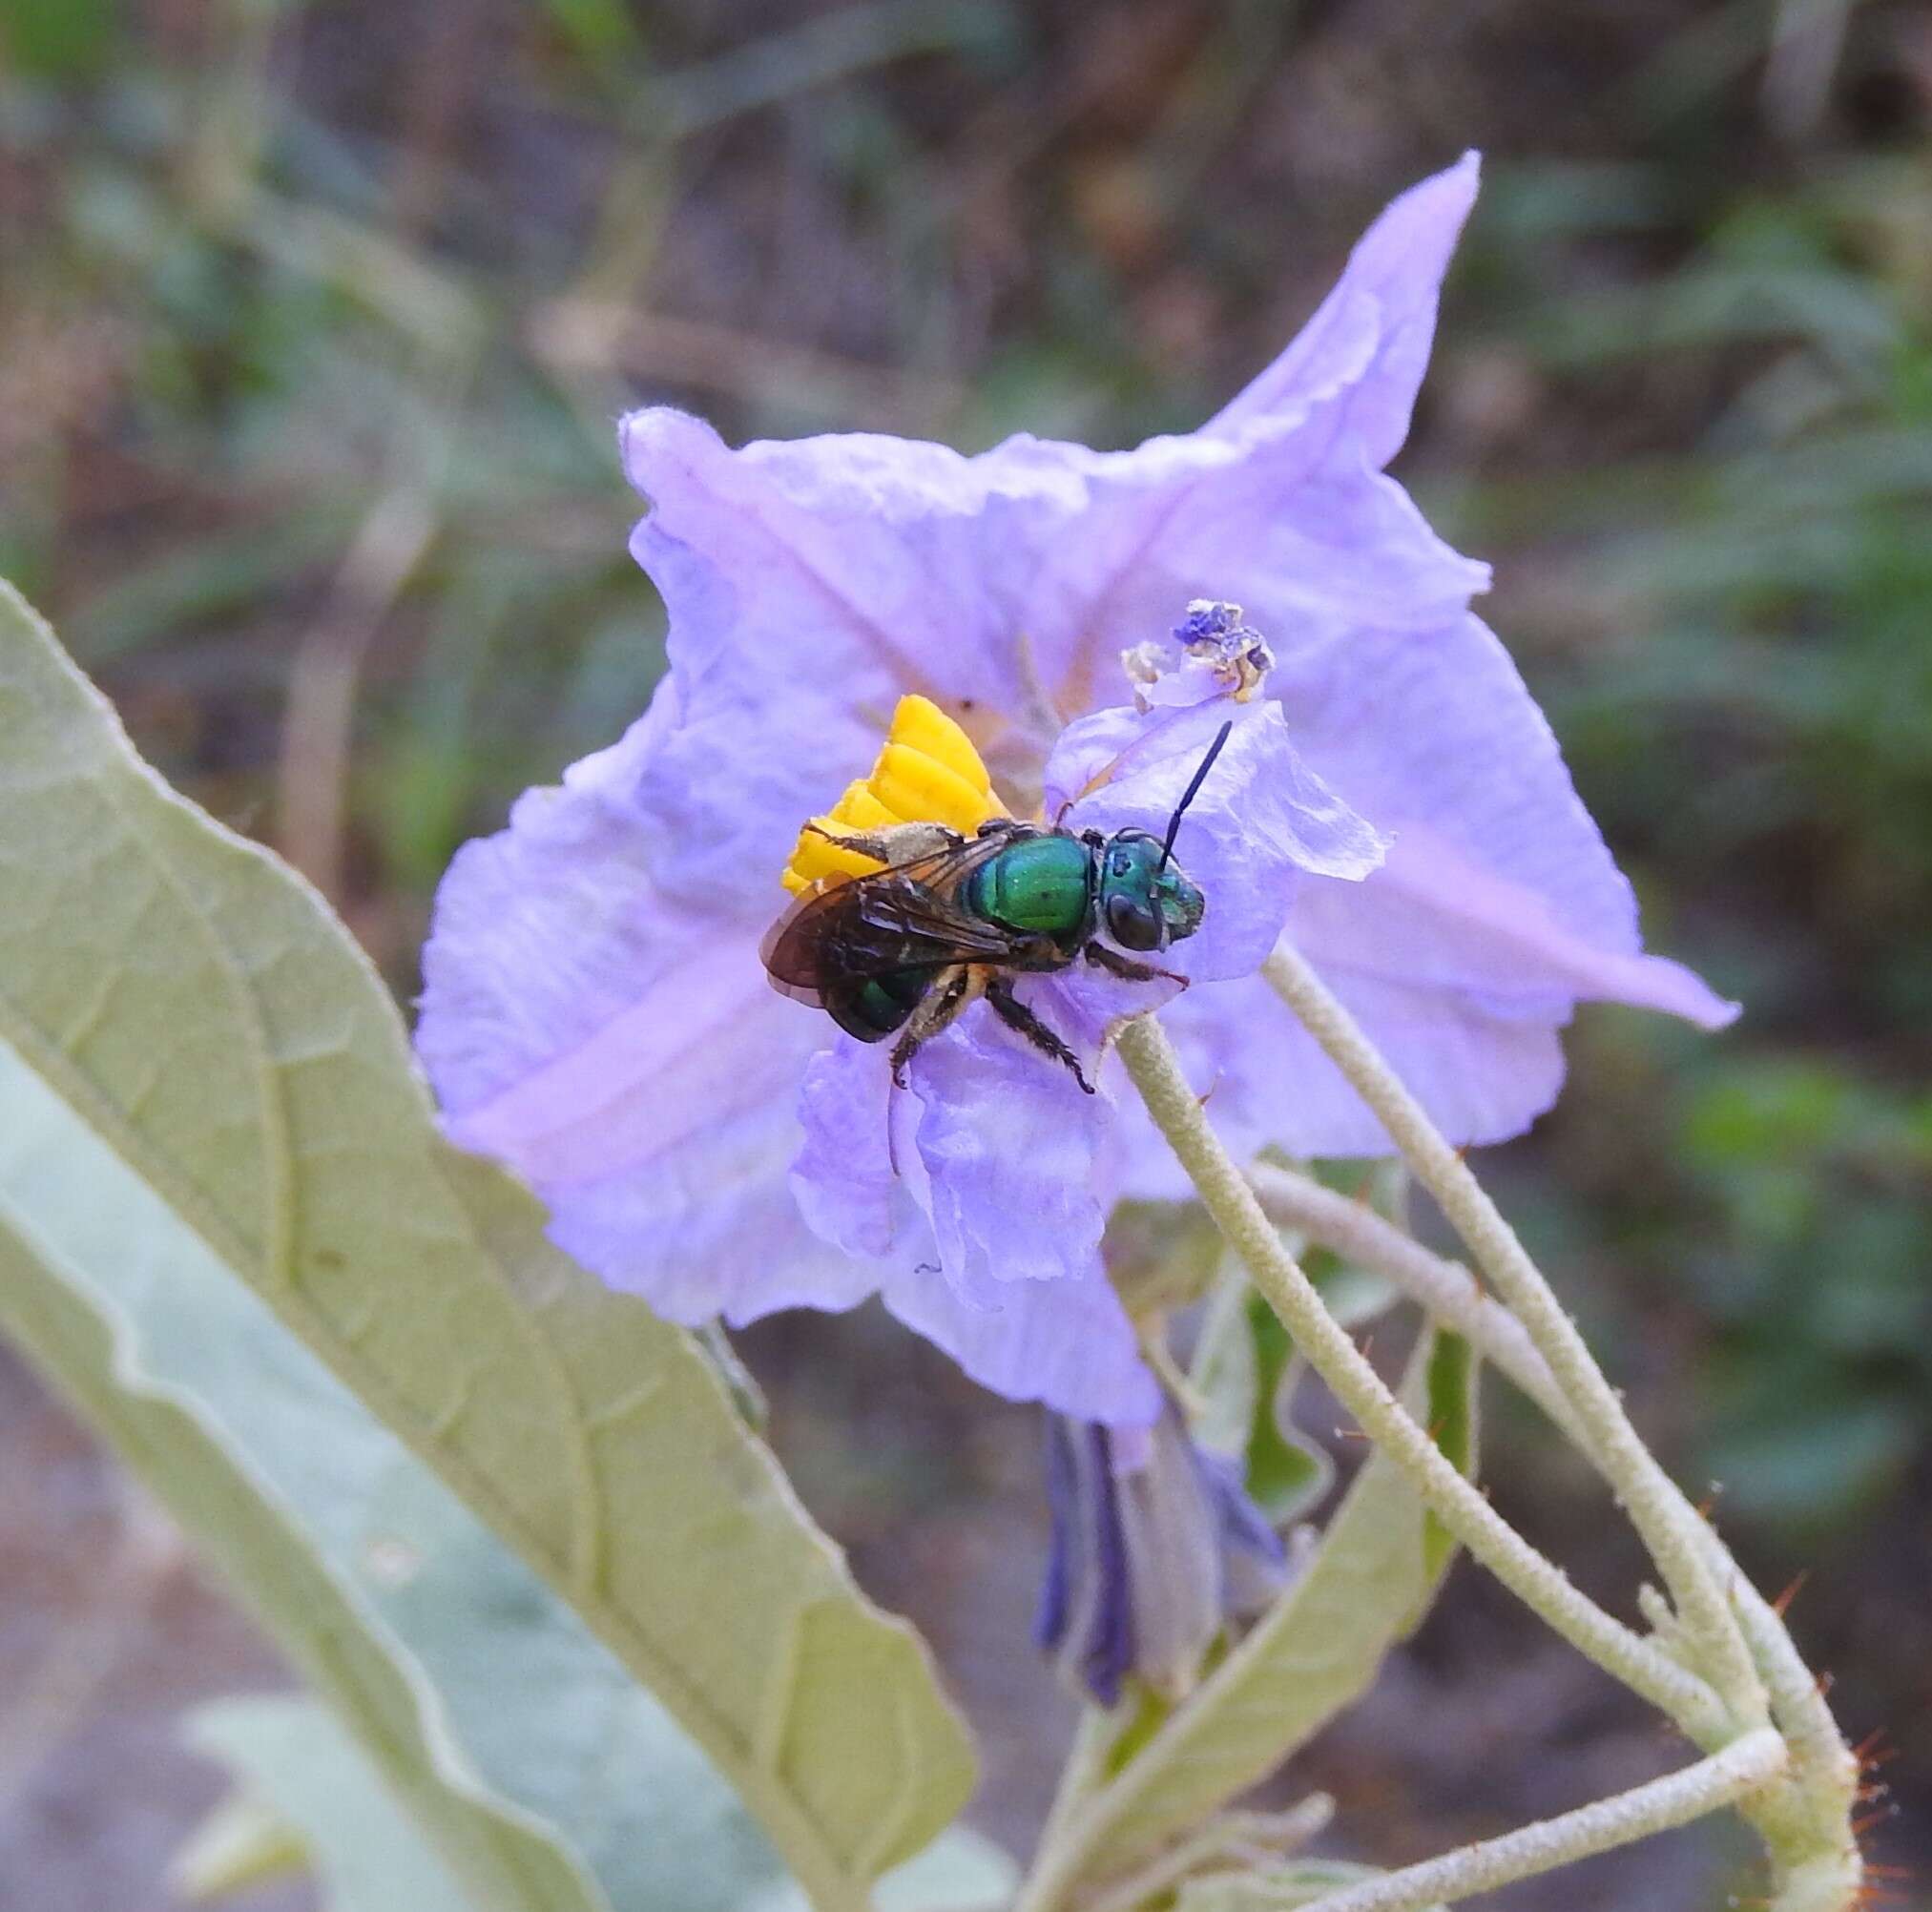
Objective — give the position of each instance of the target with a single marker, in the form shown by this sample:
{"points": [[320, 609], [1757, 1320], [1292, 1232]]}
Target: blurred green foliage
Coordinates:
{"points": [[1732, 634], [318, 313]]}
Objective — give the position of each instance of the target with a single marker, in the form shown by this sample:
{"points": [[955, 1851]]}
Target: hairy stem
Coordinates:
{"points": [[1805, 1819], [1463, 1510], [1741, 1768], [1445, 1289], [1085, 1769], [1645, 1490], [1255, 1839]]}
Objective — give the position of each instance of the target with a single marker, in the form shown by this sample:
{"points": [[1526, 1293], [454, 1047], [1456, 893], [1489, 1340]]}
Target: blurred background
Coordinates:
{"points": [[315, 316]]}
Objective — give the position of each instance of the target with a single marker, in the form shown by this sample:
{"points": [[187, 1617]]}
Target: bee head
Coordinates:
{"points": [[1146, 899]]}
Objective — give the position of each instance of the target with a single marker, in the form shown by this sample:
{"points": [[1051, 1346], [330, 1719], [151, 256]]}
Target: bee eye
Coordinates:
{"points": [[1134, 925]]}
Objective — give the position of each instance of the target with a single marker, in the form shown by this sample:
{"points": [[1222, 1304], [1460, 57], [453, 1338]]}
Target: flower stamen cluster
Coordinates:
{"points": [[927, 771]]}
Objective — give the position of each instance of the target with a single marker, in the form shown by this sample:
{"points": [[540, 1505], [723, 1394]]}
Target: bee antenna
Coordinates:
{"points": [[1192, 790]]}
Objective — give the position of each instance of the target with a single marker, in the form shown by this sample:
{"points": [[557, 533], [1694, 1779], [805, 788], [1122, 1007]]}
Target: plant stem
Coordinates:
{"points": [[1742, 1767], [1806, 1819], [1463, 1510], [1094, 1734], [1237, 1837], [1642, 1486], [1445, 1289]]}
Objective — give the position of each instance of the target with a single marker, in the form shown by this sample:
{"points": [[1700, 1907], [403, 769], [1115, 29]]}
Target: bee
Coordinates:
{"points": [[901, 952]]}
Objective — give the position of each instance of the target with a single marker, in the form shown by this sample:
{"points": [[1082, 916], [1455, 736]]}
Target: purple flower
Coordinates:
{"points": [[1155, 1546], [594, 1012]]}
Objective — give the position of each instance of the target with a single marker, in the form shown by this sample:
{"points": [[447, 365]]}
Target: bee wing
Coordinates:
{"points": [[799, 951], [846, 928]]}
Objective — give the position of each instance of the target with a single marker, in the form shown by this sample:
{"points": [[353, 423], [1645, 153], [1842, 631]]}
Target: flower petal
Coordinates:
{"points": [[983, 1212], [711, 1231], [1482, 1073], [1067, 1343], [1371, 336], [1444, 921], [1499, 907], [623, 1054], [810, 585], [1500, 884], [1260, 820], [538, 937], [1085, 1617], [1008, 1143], [846, 1177]]}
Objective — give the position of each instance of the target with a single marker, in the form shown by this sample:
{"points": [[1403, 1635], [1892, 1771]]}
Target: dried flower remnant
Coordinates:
{"points": [[1156, 1546]]}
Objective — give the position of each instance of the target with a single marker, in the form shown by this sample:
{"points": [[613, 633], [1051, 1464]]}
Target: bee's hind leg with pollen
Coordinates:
{"points": [[1016, 1016], [902, 844], [951, 990]]}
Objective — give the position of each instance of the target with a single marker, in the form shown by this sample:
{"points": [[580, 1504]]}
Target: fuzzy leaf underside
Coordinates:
{"points": [[91, 1346], [308, 1782], [199, 1009], [290, 1754]]}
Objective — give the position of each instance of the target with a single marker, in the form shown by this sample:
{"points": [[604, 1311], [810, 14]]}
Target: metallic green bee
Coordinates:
{"points": [[903, 951]]}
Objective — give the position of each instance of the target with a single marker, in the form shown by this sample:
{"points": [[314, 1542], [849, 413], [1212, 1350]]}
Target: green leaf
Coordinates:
{"points": [[1453, 1421], [1245, 1371], [57, 39], [1277, 1889], [290, 1755], [961, 1871], [1288, 1473], [269, 1462], [1225, 1372], [199, 1010], [550, 1778], [1314, 1652]]}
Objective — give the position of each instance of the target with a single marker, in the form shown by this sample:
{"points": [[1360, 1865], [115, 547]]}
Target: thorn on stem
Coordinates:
{"points": [[1870, 1754]]}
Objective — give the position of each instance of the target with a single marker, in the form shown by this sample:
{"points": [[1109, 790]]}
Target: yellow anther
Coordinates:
{"points": [[816, 855], [920, 789], [927, 771], [920, 724], [859, 810]]}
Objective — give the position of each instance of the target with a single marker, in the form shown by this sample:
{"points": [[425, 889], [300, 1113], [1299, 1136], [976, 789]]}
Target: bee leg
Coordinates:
{"points": [[1016, 1016], [1128, 970], [902, 844], [951, 990]]}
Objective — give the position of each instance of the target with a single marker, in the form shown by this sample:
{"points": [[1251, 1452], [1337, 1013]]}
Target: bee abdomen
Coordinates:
{"points": [[877, 1006]]}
